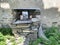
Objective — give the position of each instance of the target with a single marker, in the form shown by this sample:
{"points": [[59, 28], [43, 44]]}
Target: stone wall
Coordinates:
{"points": [[5, 16], [22, 3], [48, 16]]}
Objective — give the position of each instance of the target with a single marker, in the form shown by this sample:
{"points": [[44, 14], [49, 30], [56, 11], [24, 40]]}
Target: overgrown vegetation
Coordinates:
{"points": [[2, 39], [6, 34], [53, 34], [6, 31]]}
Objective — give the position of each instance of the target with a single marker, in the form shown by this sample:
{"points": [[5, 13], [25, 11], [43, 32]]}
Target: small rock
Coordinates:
{"points": [[7, 41], [39, 44]]}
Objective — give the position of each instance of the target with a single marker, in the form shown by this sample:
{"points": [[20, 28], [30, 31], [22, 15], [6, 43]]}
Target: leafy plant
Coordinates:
{"points": [[14, 43], [53, 34], [21, 39], [1, 37], [6, 31], [2, 43]]}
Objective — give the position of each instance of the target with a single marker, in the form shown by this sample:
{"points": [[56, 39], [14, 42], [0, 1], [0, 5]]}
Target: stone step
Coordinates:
{"points": [[21, 25]]}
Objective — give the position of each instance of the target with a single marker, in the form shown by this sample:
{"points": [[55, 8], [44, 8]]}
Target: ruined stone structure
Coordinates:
{"points": [[48, 16], [7, 15]]}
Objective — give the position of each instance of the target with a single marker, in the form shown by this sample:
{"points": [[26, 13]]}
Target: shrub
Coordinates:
{"points": [[21, 39], [14, 43], [2, 43], [6, 31], [53, 34], [1, 37]]}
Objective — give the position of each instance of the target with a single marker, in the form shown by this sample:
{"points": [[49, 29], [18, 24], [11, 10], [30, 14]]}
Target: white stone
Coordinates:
{"points": [[5, 5], [51, 3]]}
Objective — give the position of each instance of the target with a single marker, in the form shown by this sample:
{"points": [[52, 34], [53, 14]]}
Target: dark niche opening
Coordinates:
{"points": [[25, 14]]}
